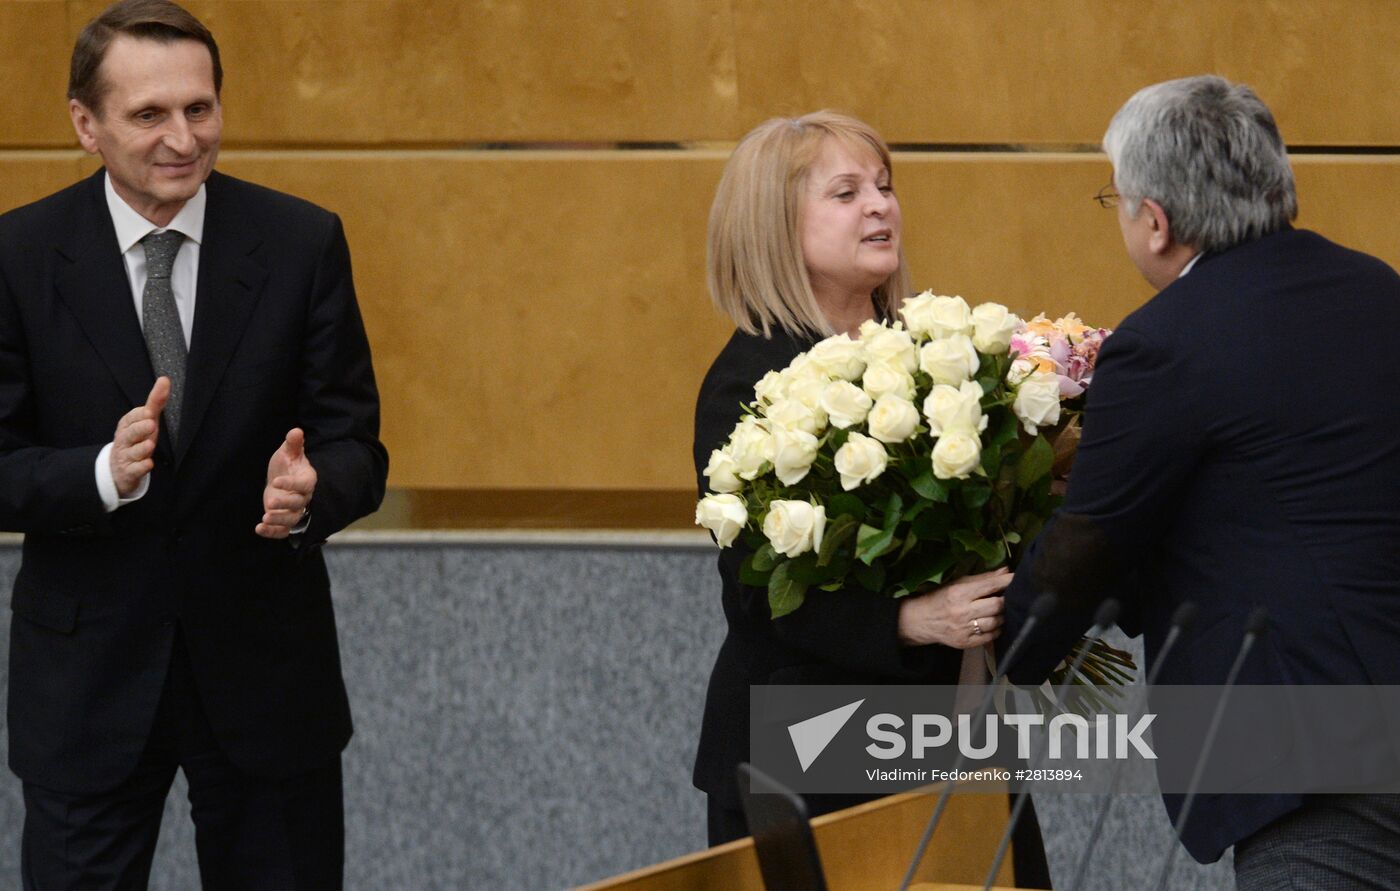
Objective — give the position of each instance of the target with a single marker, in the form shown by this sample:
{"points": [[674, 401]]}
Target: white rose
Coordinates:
{"points": [[845, 404], [839, 356], [951, 360], [887, 380], [793, 454], [794, 527], [955, 409], [790, 414], [722, 472], [724, 515], [860, 460], [889, 346], [806, 389], [956, 455], [992, 327], [1037, 401], [893, 419], [769, 387], [937, 317], [751, 447]]}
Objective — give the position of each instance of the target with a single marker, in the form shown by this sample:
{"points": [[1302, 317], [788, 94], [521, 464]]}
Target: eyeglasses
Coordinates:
{"points": [[1107, 197]]}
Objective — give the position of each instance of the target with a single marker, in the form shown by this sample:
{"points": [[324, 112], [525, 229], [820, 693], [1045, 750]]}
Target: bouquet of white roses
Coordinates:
{"points": [[908, 457]]}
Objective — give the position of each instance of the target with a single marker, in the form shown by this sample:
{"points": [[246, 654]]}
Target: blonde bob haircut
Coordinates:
{"points": [[754, 265]]}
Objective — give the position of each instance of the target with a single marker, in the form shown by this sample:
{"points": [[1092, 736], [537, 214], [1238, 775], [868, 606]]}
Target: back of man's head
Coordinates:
{"points": [[1209, 152], [159, 20]]}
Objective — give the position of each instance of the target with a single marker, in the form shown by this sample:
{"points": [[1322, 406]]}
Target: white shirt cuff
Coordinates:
{"points": [[107, 486]]}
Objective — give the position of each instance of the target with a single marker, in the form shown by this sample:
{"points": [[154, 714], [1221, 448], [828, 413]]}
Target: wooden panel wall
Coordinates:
{"points": [[535, 292]]}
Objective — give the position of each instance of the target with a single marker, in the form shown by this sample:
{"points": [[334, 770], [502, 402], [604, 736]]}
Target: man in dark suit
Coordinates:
{"points": [[1241, 448], [187, 411]]}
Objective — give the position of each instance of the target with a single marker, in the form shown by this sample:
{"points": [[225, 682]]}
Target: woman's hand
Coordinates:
{"points": [[961, 614]]}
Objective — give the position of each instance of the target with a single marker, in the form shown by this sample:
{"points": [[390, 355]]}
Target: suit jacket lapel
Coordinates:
{"points": [[230, 284], [91, 281]]}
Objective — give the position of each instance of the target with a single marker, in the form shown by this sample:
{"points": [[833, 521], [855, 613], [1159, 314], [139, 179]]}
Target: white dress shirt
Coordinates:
{"points": [[131, 227]]}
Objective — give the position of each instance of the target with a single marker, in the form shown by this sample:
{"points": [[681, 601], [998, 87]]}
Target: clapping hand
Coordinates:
{"points": [[134, 443], [291, 480]]}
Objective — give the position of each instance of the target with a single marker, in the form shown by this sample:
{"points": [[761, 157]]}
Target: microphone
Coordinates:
{"points": [[1105, 617], [1181, 619], [1041, 610], [1254, 626]]}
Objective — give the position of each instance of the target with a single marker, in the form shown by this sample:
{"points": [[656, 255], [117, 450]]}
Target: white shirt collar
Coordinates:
{"points": [[1189, 263], [132, 227]]}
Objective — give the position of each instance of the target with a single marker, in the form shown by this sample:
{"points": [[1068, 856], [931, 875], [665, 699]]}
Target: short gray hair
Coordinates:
{"points": [[1210, 153]]}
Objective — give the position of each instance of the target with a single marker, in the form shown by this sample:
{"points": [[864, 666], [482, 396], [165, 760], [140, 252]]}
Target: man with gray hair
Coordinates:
{"points": [[1239, 451]]}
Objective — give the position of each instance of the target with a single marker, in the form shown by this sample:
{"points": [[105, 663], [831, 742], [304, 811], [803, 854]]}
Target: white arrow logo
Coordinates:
{"points": [[812, 736]]}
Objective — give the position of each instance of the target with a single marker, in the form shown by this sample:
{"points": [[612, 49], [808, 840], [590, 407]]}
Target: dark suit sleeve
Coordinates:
{"points": [[42, 489], [339, 402], [1141, 442]]}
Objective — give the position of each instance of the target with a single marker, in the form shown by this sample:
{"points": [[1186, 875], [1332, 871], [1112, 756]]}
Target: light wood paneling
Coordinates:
{"points": [[866, 846], [1015, 71], [540, 321], [29, 176], [318, 72], [35, 45]]}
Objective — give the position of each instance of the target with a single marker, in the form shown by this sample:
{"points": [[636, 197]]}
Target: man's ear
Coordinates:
{"points": [[83, 121], [1160, 241]]}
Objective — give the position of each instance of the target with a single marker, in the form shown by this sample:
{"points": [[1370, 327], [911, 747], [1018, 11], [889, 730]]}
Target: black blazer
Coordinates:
{"points": [[1241, 448], [835, 637], [278, 342]]}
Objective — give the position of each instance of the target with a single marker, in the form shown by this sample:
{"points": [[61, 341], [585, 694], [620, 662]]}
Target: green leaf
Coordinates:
{"points": [[845, 504], [914, 510], [991, 552], [838, 532], [1006, 429], [909, 543], [930, 487], [871, 578], [933, 524], [872, 542], [764, 559], [1035, 464], [805, 569], [975, 495], [893, 506], [928, 565], [785, 593], [748, 575], [991, 459]]}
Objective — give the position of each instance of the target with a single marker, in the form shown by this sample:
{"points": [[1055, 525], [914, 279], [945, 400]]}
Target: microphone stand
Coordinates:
{"points": [[1256, 624], [1041, 609], [1106, 616], [1181, 619]]}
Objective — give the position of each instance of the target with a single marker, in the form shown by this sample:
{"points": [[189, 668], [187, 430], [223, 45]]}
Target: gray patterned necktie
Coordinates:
{"points": [[160, 320]]}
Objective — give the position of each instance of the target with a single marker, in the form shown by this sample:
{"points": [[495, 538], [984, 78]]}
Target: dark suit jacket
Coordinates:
{"points": [[835, 637], [277, 343], [1241, 448]]}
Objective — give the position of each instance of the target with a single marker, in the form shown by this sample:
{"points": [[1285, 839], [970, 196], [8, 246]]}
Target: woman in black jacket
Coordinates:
{"points": [[804, 242]]}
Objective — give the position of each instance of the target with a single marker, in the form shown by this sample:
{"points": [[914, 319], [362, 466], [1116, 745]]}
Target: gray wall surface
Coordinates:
{"points": [[526, 714]]}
